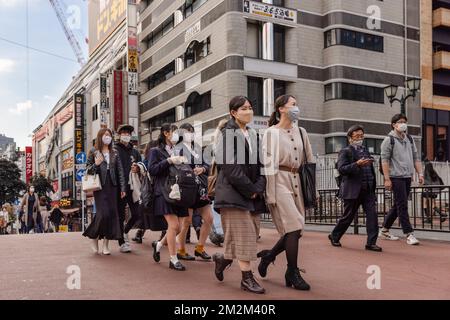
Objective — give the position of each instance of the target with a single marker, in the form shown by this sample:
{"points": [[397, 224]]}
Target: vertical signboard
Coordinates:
{"points": [[118, 98], [79, 133], [28, 163]]}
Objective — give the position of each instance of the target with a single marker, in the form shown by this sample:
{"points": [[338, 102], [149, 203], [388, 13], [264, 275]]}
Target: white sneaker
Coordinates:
{"points": [[106, 250], [412, 240], [125, 238], [387, 236], [125, 248]]}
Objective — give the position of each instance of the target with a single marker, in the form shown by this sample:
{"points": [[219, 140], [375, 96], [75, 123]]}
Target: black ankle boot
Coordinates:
{"points": [[249, 283], [221, 264], [266, 260], [294, 279]]}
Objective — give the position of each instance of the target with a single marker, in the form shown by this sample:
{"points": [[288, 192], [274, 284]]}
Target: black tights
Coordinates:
{"points": [[288, 243]]}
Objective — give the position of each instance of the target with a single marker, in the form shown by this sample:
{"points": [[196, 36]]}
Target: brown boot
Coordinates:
{"points": [[249, 283], [221, 264]]}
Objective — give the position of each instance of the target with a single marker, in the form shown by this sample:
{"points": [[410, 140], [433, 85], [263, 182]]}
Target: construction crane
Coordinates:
{"points": [[69, 34]]}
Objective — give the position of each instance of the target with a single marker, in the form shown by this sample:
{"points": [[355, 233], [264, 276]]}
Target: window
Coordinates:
{"points": [[335, 144], [254, 40], [355, 92], [197, 103], [353, 39], [279, 43], [255, 93], [160, 31], [162, 75], [196, 51], [157, 121], [279, 3], [191, 6], [94, 112]]}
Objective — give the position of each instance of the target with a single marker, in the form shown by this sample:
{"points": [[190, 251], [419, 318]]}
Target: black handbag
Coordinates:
{"points": [[307, 173]]}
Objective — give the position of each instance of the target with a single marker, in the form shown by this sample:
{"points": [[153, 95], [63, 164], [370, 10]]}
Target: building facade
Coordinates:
{"points": [[7, 148], [435, 64], [334, 56]]}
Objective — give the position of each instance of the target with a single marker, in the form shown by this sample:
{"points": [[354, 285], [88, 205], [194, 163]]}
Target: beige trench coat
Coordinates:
{"points": [[24, 207], [284, 147]]}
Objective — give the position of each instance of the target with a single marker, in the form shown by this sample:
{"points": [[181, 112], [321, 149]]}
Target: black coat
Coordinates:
{"points": [[236, 183], [128, 155], [158, 167], [352, 174], [116, 169]]}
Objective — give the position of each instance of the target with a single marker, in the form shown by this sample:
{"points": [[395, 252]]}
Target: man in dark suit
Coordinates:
{"points": [[357, 187]]}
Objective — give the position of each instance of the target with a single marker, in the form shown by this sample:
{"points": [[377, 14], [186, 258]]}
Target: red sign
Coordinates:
{"points": [[29, 163], [118, 101]]}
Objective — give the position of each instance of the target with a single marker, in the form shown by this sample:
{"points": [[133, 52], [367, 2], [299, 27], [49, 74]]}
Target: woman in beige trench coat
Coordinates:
{"points": [[284, 152]]}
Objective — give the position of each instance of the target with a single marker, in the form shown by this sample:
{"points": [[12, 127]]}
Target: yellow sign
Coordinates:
{"points": [[64, 228], [132, 60]]}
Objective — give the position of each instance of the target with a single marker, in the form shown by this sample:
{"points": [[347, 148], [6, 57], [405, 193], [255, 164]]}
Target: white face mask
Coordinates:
{"points": [[188, 137], [32, 190], [293, 113], [358, 143], [402, 127], [175, 138], [125, 138], [107, 140]]}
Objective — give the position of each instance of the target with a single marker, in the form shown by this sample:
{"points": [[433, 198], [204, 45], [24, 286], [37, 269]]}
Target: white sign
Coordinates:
{"points": [[132, 82], [80, 166], [270, 11], [192, 31]]}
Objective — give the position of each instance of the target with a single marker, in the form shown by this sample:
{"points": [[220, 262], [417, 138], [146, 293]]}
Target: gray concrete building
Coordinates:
{"points": [[334, 56]]}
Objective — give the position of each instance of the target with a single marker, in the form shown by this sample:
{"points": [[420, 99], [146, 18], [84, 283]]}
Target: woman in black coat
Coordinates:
{"points": [[161, 158], [105, 162], [239, 192], [193, 153]]}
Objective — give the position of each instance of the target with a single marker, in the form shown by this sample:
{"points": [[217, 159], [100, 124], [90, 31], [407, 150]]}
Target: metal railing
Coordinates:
{"points": [[428, 208]]}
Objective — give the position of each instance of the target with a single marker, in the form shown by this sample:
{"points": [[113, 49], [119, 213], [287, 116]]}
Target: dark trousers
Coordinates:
{"points": [[135, 215], [367, 200], [401, 187]]}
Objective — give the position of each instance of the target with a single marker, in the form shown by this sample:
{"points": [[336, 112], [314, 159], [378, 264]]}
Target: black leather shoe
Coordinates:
{"points": [[202, 255], [221, 265], [177, 266], [334, 243], [373, 247], [187, 257], [156, 254], [138, 237], [264, 262], [294, 279]]}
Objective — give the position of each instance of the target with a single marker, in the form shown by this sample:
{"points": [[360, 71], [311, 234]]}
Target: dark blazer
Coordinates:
{"points": [[352, 174], [182, 150], [236, 183], [128, 155], [158, 167], [116, 169]]}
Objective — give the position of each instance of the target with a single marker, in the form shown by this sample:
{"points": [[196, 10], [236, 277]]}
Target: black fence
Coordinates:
{"points": [[428, 208]]}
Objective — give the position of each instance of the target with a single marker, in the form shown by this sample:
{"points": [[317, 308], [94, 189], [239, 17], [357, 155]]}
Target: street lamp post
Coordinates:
{"points": [[413, 85]]}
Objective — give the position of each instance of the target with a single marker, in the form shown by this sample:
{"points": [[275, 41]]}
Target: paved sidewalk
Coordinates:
{"points": [[34, 267]]}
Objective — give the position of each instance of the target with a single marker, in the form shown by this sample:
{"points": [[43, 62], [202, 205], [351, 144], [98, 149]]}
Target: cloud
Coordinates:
{"points": [[10, 3], [6, 65], [21, 107], [47, 97]]}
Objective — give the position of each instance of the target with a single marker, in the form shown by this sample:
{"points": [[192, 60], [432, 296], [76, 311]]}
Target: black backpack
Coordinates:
{"points": [[338, 178], [392, 139], [184, 176]]}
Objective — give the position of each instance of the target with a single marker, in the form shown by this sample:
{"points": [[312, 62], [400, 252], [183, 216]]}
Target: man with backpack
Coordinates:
{"points": [[399, 159], [356, 187]]}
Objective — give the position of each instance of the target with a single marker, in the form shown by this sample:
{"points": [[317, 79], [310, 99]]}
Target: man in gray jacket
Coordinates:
{"points": [[399, 160]]}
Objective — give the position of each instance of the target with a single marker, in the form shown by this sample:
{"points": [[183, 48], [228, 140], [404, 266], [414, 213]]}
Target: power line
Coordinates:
{"points": [[38, 50]]}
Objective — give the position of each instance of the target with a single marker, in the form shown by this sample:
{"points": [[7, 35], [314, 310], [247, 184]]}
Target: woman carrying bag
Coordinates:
{"points": [[239, 193], [30, 208], [203, 204], [104, 163], [285, 147]]}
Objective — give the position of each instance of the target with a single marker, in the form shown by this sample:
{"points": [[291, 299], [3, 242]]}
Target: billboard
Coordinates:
{"points": [[28, 163], [104, 17], [118, 99]]}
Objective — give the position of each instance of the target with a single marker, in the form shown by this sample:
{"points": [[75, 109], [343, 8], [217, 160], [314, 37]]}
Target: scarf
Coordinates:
{"points": [[135, 182]]}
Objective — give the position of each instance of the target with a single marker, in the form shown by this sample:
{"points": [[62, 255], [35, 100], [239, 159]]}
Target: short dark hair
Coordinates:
{"points": [[397, 117], [354, 128]]}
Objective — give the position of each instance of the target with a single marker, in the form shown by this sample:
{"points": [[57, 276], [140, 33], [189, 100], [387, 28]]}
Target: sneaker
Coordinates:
{"points": [[125, 248], [412, 240], [387, 236]]}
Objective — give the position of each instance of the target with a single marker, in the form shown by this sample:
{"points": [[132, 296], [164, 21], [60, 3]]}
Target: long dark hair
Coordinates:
{"points": [[238, 102], [279, 102], [99, 140], [166, 127], [430, 172], [152, 144]]}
